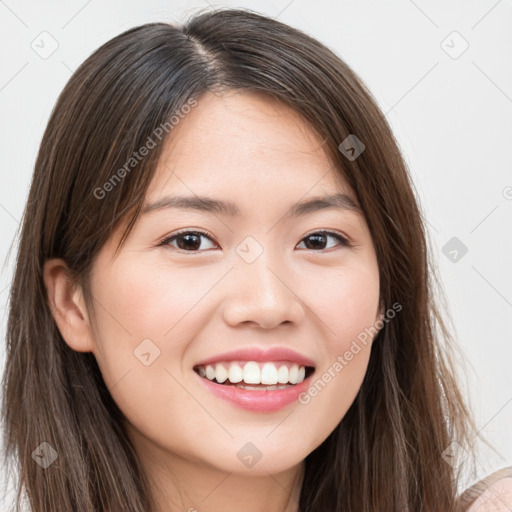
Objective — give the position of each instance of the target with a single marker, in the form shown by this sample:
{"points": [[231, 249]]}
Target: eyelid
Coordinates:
{"points": [[342, 239], [166, 238], [330, 232]]}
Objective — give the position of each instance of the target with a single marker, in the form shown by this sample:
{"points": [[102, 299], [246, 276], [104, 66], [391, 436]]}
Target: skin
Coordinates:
{"points": [[258, 153]]}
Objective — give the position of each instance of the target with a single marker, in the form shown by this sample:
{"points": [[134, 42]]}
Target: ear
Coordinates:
{"points": [[67, 305]]}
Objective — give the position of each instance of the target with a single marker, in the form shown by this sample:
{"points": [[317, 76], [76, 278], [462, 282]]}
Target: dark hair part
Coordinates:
{"points": [[386, 453]]}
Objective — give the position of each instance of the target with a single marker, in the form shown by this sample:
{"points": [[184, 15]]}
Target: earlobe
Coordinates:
{"points": [[66, 302]]}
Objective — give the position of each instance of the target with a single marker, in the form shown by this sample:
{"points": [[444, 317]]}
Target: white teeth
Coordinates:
{"points": [[221, 373], [267, 374], [292, 377], [252, 373], [263, 387], [210, 372], [235, 374], [282, 375]]}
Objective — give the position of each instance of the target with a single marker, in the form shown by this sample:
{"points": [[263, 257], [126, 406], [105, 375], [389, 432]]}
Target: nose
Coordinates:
{"points": [[262, 293]]}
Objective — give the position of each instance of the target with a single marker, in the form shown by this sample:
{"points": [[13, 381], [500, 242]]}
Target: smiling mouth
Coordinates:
{"points": [[254, 375]]}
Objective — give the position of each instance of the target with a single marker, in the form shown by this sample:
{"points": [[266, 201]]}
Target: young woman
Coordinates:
{"points": [[223, 297]]}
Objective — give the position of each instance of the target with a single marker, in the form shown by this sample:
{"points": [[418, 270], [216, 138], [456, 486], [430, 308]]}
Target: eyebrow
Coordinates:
{"points": [[227, 208]]}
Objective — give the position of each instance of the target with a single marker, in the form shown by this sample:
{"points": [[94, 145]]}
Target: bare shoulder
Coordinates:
{"points": [[492, 494]]}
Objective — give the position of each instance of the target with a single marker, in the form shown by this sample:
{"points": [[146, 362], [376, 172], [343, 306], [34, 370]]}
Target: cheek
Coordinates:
{"points": [[134, 307], [355, 307], [146, 316], [140, 340], [352, 317], [146, 302], [347, 306], [345, 301]]}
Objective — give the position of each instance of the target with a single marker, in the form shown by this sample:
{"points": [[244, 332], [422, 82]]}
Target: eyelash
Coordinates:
{"points": [[166, 242]]}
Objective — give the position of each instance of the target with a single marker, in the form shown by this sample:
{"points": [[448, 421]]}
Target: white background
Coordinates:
{"points": [[452, 118]]}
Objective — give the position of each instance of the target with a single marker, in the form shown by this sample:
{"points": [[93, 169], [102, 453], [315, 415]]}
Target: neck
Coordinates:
{"points": [[183, 485]]}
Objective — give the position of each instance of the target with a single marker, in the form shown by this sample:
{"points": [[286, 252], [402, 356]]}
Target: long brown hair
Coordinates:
{"points": [[388, 452]]}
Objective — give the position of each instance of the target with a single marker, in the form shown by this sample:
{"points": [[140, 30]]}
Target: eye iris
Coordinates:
{"points": [[316, 237], [193, 238]]}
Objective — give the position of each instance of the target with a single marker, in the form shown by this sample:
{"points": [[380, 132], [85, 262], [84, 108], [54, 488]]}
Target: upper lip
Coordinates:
{"points": [[259, 354]]}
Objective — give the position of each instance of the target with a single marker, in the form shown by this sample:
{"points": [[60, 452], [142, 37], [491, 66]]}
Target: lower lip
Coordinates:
{"points": [[257, 400]]}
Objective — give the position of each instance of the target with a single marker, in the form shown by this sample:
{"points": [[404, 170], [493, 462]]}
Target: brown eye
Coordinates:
{"points": [[318, 240], [189, 241]]}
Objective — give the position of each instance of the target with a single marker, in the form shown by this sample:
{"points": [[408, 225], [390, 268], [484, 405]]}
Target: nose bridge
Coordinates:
{"points": [[257, 265], [262, 292]]}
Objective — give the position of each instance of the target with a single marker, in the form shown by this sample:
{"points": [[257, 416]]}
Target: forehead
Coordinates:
{"points": [[239, 143]]}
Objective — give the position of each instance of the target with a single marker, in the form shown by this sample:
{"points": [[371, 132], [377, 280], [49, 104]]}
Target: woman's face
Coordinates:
{"points": [[263, 277]]}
